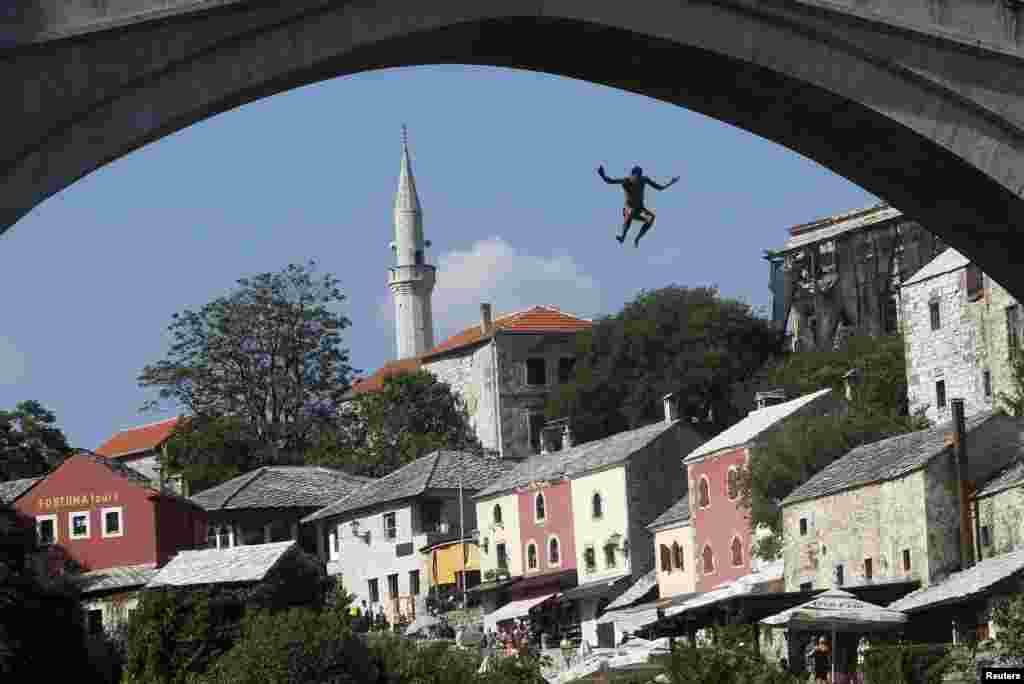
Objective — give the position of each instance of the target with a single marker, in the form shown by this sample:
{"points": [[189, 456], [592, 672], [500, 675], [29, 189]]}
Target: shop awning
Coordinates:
{"points": [[491, 586], [594, 590], [633, 618], [517, 609]]}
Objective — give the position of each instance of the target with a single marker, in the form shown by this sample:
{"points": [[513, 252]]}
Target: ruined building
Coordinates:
{"points": [[841, 275]]}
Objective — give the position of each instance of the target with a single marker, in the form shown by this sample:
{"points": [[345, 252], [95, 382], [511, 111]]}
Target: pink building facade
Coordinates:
{"points": [[723, 535], [546, 528]]}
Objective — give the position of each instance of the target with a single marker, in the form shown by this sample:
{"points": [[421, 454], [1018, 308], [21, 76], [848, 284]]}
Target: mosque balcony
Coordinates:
{"points": [[421, 272]]}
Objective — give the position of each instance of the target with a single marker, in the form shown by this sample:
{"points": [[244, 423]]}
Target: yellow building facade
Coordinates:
{"points": [[498, 525], [601, 525]]}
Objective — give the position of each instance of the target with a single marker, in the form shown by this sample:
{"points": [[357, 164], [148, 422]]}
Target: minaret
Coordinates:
{"points": [[411, 278]]}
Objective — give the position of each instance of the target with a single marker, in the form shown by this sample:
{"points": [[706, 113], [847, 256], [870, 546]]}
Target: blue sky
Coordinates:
{"points": [[505, 166]]}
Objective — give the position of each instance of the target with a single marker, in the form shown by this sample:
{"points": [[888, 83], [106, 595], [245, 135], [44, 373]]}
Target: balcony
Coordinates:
{"points": [[437, 532]]}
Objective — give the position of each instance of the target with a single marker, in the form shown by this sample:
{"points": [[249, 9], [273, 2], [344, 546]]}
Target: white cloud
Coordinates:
{"points": [[13, 363], [665, 257], [494, 271]]}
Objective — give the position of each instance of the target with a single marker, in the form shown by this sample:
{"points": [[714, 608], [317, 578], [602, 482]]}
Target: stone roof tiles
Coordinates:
{"points": [[950, 260], [637, 591], [833, 226], [110, 579], [12, 489], [1010, 476], [677, 513], [136, 439], [756, 423], [281, 487], [439, 470], [221, 566], [581, 459], [892, 458], [963, 584]]}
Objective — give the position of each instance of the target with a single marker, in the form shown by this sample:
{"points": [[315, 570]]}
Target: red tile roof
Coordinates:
{"points": [[134, 440], [375, 382], [538, 319]]}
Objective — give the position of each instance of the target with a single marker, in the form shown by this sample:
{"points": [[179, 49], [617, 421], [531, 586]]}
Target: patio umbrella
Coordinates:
{"points": [[421, 622], [838, 611]]}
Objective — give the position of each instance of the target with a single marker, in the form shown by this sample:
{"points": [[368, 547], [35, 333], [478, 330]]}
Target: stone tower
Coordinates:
{"points": [[411, 278]]}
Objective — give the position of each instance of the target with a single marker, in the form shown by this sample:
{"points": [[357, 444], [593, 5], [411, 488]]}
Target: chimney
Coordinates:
{"points": [[851, 379], [566, 437], [960, 452], [671, 408], [485, 319]]}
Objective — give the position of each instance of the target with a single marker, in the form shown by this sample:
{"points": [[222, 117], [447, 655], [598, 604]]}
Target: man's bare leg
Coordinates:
{"points": [[626, 223], [643, 230]]}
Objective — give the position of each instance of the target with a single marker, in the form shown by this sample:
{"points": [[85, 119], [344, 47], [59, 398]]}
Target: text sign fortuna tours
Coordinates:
{"points": [[53, 503]]}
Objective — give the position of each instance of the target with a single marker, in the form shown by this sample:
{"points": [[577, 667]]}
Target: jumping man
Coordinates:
{"points": [[635, 210]]}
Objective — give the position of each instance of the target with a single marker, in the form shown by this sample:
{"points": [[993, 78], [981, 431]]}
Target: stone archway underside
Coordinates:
{"points": [[910, 111]]}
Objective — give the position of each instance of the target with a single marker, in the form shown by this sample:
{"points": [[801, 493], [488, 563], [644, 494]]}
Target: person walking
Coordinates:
{"points": [[822, 658]]}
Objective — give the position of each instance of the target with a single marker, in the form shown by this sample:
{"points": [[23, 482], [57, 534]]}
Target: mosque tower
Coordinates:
{"points": [[411, 278]]}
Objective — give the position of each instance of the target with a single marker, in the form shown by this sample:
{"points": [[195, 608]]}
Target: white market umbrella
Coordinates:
{"points": [[838, 611]]}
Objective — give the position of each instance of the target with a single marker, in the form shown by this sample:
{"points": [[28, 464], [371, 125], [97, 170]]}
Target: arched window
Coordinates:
{"points": [[737, 551], [677, 556], [538, 505], [709, 560], [596, 506], [554, 558], [497, 514], [704, 497], [531, 556], [666, 559], [732, 484]]}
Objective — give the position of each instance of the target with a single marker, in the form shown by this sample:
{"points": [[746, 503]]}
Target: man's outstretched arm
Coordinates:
{"points": [[661, 187], [606, 179]]}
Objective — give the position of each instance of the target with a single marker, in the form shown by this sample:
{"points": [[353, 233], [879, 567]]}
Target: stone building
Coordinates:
{"points": [[959, 328], [723, 536], [144, 448], [841, 275], [265, 505], [1000, 510], [381, 527], [889, 511], [503, 369]]}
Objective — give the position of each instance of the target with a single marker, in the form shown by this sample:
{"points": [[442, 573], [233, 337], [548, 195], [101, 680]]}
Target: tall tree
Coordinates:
{"points": [[267, 356], [30, 442], [412, 415], [676, 339]]}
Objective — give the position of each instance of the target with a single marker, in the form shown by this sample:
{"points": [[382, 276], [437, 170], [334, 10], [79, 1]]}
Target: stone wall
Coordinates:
{"points": [[952, 354], [655, 479], [470, 374], [877, 521], [1003, 514], [991, 316], [942, 508]]}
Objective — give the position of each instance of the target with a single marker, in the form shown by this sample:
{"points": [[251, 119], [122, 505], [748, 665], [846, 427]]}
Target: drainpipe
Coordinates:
{"points": [[960, 451]]}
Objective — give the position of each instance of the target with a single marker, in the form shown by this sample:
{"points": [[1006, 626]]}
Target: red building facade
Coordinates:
{"points": [[546, 528], [723, 536], [101, 514]]}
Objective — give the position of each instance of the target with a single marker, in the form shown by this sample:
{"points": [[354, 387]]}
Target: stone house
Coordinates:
{"points": [[959, 328], [999, 504], [889, 511], [504, 370], [110, 596], [381, 526], [586, 508], [841, 274], [723, 537], [265, 505], [144, 448]]}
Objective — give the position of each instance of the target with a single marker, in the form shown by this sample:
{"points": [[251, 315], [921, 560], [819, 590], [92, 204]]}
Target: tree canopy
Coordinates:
{"points": [[688, 341], [30, 442], [412, 415], [805, 445], [266, 358]]}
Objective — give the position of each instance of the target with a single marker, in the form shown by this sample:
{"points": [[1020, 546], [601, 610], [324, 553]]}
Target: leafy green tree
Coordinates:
{"points": [[1014, 399], [688, 341], [805, 445], [30, 442], [728, 659], [1009, 618], [267, 356], [412, 415]]}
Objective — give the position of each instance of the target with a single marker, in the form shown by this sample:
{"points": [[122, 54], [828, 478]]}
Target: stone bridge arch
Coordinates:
{"points": [[925, 114]]}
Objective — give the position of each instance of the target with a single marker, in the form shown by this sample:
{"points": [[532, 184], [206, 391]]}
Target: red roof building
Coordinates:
{"points": [[503, 368], [142, 448]]}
